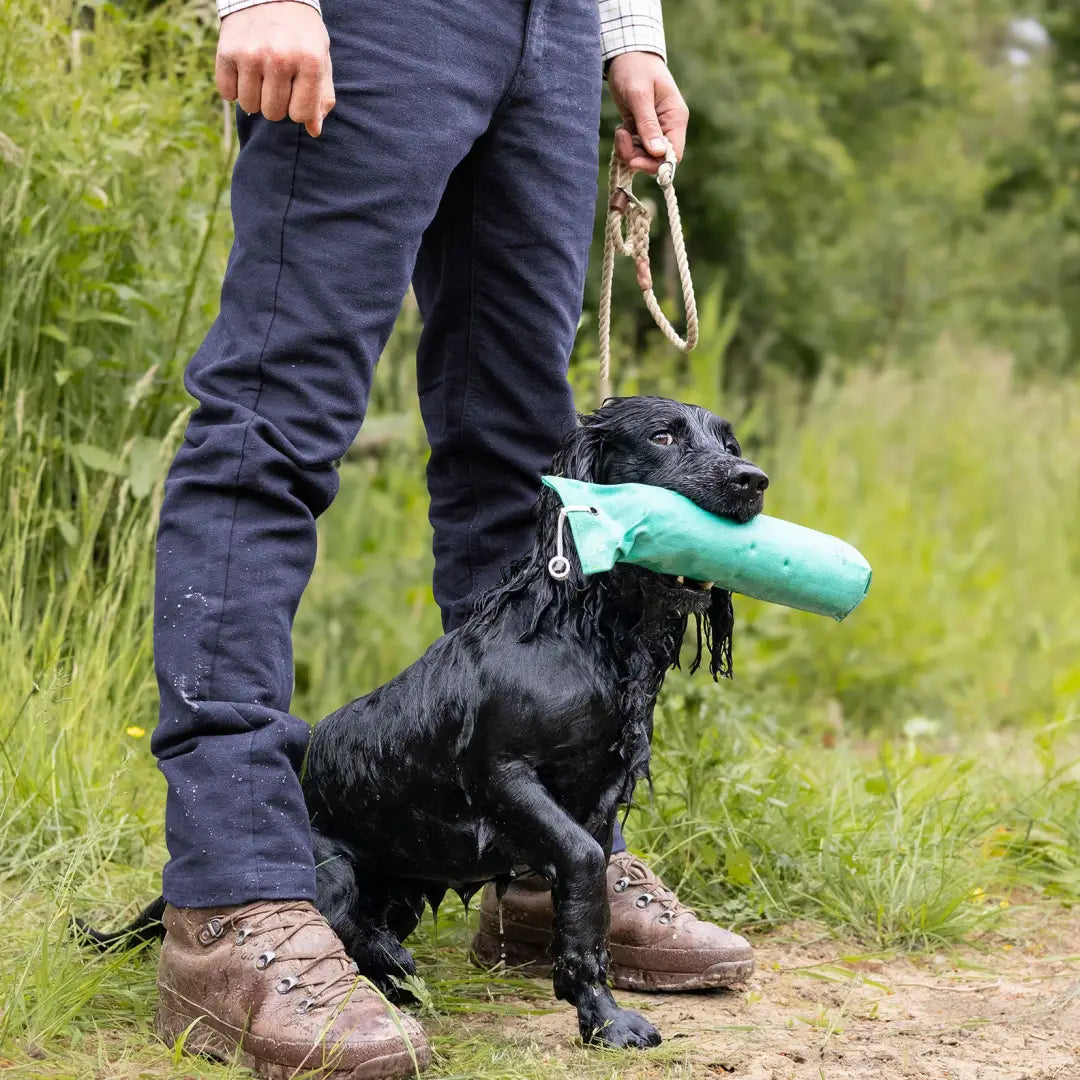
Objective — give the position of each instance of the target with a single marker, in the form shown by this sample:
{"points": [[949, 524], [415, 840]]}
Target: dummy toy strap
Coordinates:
{"points": [[559, 564], [624, 206]]}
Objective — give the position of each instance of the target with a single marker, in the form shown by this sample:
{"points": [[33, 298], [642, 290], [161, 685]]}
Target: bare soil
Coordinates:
{"points": [[1006, 1008]]}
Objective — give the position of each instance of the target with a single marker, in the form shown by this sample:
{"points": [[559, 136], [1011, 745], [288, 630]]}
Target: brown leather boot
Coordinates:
{"points": [[269, 985], [655, 942]]}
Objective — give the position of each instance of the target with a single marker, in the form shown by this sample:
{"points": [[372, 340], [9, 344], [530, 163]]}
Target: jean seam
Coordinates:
{"points": [[467, 386], [236, 486]]}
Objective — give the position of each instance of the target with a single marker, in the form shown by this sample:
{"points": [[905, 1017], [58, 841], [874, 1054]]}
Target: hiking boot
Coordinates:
{"points": [[269, 985], [655, 942]]}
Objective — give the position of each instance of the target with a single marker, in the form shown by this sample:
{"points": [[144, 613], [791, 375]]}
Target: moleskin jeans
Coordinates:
{"points": [[461, 155]]}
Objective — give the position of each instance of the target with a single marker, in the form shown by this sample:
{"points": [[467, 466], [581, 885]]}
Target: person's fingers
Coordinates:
{"points": [[225, 76], [641, 162], [641, 102], [277, 86], [303, 105], [624, 144], [326, 100], [630, 152], [249, 85], [274, 59], [674, 117]]}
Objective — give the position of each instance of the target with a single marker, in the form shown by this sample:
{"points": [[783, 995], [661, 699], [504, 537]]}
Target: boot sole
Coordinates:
{"points": [[531, 959], [178, 1018]]}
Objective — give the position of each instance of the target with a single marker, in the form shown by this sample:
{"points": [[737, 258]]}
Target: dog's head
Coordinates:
{"points": [[686, 449]]}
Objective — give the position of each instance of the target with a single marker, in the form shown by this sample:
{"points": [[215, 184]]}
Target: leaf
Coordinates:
{"points": [[876, 785], [144, 465], [93, 457], [54, 332], [67, 530], [707, 855], [126, 293], [737, 865], [94, 315], [9, 152], [95, 197]]}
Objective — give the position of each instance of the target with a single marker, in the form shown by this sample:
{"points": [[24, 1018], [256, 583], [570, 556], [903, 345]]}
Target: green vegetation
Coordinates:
{"points": [[896, 779]]}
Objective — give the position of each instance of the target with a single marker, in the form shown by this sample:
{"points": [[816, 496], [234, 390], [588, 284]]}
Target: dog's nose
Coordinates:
{"points": [[750, 478]]}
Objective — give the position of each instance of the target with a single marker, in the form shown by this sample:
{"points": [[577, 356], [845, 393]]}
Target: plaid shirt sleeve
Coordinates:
{"points": [[227, 7], [625, 25], [631, 26]]}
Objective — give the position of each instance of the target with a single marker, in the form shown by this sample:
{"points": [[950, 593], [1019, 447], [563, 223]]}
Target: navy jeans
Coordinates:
{"points": [[462, 155]]}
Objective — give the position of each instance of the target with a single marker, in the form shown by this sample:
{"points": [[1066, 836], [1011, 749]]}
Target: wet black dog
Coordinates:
{"points": [[511, 744]]}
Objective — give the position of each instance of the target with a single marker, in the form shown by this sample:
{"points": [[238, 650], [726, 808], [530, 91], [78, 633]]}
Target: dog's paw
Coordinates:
{"points": [[383, 960], [625, 1029]]}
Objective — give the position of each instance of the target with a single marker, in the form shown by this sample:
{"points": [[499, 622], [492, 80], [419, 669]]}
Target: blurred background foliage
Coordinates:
{"points": [[866, 175], [870, 187]]}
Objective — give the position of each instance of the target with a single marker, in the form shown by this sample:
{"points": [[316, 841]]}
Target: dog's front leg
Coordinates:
{"points": [[539, 827]]}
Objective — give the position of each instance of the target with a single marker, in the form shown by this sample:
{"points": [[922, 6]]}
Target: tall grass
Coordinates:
{"points": [[961, 484]]}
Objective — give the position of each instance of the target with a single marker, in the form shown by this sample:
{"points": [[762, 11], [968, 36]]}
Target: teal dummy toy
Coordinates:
{"points": [[765, 558]]}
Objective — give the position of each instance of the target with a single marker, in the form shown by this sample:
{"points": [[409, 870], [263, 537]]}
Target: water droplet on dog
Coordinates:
{"points": [[502, 936]]}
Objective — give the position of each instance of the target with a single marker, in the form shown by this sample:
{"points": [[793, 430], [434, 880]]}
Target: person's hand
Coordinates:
{"points": [[651, 107], [274, 58]]}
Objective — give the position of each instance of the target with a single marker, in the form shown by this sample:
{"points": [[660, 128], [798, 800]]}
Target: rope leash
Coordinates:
{"points": [[624, 207]]}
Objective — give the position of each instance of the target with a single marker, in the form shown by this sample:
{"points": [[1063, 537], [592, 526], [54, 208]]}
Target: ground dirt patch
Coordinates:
{"points": [[1006, 1008]]}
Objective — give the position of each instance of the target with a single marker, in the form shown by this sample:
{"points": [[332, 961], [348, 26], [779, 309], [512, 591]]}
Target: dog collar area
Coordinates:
{"points": [[766, 558]]}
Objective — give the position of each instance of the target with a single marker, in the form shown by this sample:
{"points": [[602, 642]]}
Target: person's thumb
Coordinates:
{"points": [[648, 127]]}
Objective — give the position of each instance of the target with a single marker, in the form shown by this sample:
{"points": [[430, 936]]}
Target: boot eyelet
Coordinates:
{"points": [[242, 936], [210, 932], [620, 885], [287, 984], [264, 960], [665, 919], [304, 1005], [644, 900]]}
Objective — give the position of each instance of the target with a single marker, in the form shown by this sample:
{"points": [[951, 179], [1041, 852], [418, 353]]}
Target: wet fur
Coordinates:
{"points": [[511, 744]]}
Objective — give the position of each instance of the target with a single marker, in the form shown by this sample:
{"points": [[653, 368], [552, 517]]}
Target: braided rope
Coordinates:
{"points": [[624, 208]]}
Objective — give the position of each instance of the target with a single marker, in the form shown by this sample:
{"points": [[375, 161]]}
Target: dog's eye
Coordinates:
{"points": [[662, 438], [733, 449]]}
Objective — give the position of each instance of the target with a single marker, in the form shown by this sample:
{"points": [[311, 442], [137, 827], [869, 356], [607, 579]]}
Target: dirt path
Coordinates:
{"points": [[1007, 1010]]}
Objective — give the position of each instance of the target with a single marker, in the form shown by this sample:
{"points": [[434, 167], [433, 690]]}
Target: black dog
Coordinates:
{"points": [[511, 744]]}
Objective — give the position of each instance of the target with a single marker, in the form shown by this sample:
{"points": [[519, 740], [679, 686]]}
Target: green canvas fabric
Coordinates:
{"points": [[766, 558]]}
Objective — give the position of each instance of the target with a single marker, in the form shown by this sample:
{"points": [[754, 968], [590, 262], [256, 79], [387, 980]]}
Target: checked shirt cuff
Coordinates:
{"points": [[227, 7], [632, 26]]}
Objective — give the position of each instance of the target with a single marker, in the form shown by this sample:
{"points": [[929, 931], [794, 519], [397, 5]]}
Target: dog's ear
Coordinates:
{"points": [[720, 625], [579, 456]]}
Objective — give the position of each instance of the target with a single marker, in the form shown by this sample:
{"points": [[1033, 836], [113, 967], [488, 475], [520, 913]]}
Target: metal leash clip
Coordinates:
{"points": [[559, 564]]}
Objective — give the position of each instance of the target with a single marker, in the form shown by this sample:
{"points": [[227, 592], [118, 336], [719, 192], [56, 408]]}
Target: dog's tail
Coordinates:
{"points": [[146, 926]]}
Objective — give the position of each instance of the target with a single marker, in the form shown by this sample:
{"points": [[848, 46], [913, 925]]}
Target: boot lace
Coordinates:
{"points": [[637, 879], [329, 977]]}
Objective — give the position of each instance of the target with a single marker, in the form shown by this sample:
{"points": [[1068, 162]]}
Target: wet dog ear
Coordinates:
{"points": [[714, 630], [719, 627], [580, 455]]}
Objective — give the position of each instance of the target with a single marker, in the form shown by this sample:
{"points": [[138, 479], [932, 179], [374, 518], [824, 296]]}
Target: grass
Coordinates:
{"points": [[904, 779], [793, 793]]}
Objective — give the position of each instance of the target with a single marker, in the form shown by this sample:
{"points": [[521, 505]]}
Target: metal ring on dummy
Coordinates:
{"points": [[559, 567]]}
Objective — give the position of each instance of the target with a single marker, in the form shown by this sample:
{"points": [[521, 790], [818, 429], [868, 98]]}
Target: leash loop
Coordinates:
{"points": [[626, 232]]}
